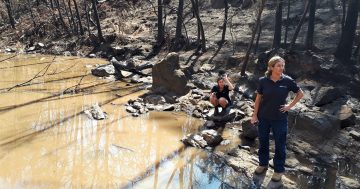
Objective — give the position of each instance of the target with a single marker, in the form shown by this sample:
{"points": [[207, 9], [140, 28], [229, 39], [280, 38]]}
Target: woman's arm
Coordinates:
{"points": [[254, 117], [226, 79], [297, 98]]}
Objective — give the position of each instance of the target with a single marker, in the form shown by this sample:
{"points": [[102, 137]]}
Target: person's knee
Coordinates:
{"points": [[214, 101], [223, 102]]}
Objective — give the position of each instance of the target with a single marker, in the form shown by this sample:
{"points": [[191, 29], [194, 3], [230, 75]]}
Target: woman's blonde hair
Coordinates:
{"points": [[271, 63]]}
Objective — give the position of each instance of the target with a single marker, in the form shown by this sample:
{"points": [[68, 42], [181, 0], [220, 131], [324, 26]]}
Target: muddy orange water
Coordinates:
{"points": [[46, 140]]}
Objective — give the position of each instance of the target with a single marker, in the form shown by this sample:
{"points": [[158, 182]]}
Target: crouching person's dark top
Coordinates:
{"points": [[274, 95], [224, 93]]}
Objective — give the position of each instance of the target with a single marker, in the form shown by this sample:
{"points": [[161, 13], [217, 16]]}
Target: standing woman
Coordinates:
{"points": [[271, 110]]}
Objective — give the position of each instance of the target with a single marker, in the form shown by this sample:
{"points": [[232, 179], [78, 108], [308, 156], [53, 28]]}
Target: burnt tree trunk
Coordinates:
{"points": [[287, 23], [201, 33], [179, 22], [257, 38], [160, 33], [9, 11], [309, 43], [344, 48], [97, 20], [298, 27], [78, 18], [344, 13], [278, 25], [257, 23], [225, 22]]}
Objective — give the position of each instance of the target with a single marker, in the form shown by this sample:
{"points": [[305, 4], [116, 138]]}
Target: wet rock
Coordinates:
{"points": [[249, 130], [137, 105], [168, 107], [355, 135], [244, 147], [135, 114], [197, 114], [211, 137], [209, 124], [237, 114], [291, 162], [325, 95], [103, 70], [349, 182], [155, 99], [130, 109], [96, 112], [305, 170], [194, 140], [167, 74], [10, 50]]}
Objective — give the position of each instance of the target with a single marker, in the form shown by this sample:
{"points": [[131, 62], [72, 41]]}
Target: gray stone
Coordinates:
{"points": [[96, 112], [194, 140], [355, 135], [305, 170], [325, 95], [104, 70], [209, 124], [211, 137], [349, 182], [168, 107], [137, 105], [131, 109], [249, 130], [92, 55], [291, 162], [154, 99]]}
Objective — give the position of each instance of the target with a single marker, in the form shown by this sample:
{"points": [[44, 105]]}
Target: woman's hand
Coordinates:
{"points": [[254, 119], [285, 108]]}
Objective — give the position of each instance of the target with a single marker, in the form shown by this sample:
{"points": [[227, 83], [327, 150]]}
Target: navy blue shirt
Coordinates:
{"points": [[274, 95], [224, 93]]}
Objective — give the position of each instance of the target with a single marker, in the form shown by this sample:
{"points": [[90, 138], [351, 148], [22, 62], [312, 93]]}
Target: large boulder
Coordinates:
{"points": [[342, 111], [167, 75], [313, 126], [325, 95]]}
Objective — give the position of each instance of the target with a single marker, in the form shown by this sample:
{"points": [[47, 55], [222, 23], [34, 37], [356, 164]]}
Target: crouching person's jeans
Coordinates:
{"points": [[279, 129]]}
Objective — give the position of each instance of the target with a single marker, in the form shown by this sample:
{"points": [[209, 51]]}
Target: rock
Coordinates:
{"points": [[204, 81], [305, 170], [40, 45], [238, 114], [194, 140], [154, 99], [209, 124], [92, 55], [211, 137], [197, 91], [145, 79], [291, 162], [168, 107], [225, 142], [313, 126], [355, 135], [244, 147], [10, 50], [234, 60], [325, 95], [246, 4], [135, 114], [96, 112], [137, 105], [103, 70], [135, 79], [131, 109], [349, 182], [249, 130], [32, 48], [197, 114], [167, 74], [342, 111]]}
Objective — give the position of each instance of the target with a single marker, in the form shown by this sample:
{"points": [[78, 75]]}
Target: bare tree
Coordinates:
{"points": [[72, 18], [9, 11], [256, 26], [201, 34], [179, 22], [344, 48], [160, 34], [278, 25], [97, 20], [287, 23], [310, 33], [225, 21], [78, 18], [344, 13], [298, 27]]}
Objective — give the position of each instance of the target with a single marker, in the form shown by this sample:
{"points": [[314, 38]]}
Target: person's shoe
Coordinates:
{"points": [[260, 170], [216, 112], [276, 177]]}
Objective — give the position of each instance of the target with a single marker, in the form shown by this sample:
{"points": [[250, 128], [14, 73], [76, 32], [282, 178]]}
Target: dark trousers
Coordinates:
{"points": [[279, 129]]}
